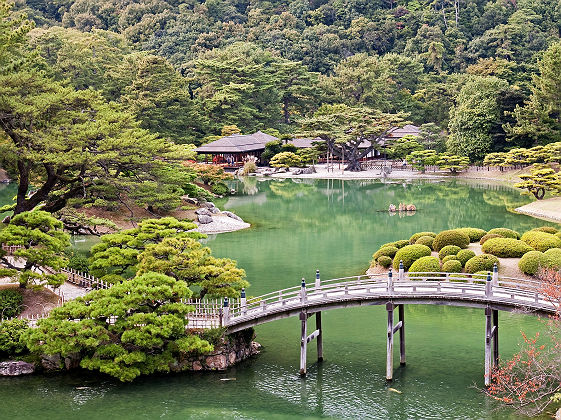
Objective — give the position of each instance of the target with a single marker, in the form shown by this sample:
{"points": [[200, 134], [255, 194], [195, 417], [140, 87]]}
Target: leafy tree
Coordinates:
{"points": [[11, 336], [401, 147], [453, 163], [420, 159], [345, 128], [540, 180], [43, 242], [137, 327], [432, 137], [285, 160]]}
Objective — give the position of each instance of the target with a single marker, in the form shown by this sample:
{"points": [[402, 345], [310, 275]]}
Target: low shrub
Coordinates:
{"points": [[483, 262], [474, 234], [11, 342], [401, 243], [452, 266], [558, 234], [384, 261], [425, 240], [547, 229], [10, 302], [409, 254], [506, 247], [426, 264], [505, 233], [387, 251], [449, 258], [531, 262], [489, 236], [449, 250], [79, 263], [450, 237], [464, 256], [541, 241], [413, 239], [552, 258], [220, 188]]}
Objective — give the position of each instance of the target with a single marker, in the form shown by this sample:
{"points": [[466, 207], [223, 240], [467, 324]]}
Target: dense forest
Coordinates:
{"points": [[476, 68]]}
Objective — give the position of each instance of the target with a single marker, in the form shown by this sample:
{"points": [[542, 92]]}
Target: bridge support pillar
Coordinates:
{"points": [[319, 338], [491, 342], [402, 335], [496, 338], [392, 329], [303, 342]]}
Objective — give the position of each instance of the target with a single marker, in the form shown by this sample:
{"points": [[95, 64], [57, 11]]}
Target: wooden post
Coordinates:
{"points": [[402, 336], [303, 342], [389, 349], [488, 337], [319, 337], [496, 338]]}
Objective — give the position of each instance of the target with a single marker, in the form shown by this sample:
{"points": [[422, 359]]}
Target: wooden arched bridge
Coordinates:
{"points": [[493, 293]]}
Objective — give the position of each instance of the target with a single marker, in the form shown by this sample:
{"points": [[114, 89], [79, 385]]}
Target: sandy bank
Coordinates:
{"points": [[549, 209]]}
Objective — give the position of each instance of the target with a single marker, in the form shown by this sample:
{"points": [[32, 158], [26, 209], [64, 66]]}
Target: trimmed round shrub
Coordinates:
{"points": [[409, 254], [425, 240], [449, 250], [474, 234], [506, 247], [452, 266], [505, 233], [384, 261], [552, 258], [541, 241], [547, 229], [413, 239], [531, 262], [401, 243], [483, 262], [387, 251], [449, 258], [450, 237], [425, 265], [489, 236], [558, 234], [464, 256]]}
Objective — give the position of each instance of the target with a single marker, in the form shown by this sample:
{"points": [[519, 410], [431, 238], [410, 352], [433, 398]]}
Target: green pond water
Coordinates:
{"points": [[298, 227]]}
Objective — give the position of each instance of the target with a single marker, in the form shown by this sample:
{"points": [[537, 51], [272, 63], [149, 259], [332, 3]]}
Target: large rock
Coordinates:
{"points": [[16, 368], [204, 219], [232, 215], [208, 204], [217, 362], [214, 210], [190, 200], [203, 212], [310, 170], [51, 362]]}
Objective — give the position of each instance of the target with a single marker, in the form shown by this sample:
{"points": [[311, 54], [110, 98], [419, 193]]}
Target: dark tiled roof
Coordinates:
{"points": [[409, 129], [237, 143], [305, 143]]}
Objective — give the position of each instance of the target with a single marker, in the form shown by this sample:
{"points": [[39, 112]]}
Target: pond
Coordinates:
{"points": [[299, 226]]}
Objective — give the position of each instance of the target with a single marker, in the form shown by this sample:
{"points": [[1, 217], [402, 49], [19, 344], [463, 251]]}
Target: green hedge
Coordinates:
{"points": [[531, 262], [10, 302], [505, 233], [413, 239], [541, 241], [506, 247], [449, 250], [558, 234], [384, 261], [11, 342], [547, 229], [387, 251], [553, 258], [409, 254], [489, 236], [464, 256], [425, 240], [483, 262], [450, 237], [474, 234], [426, 264], [398, 244], [449, 258], [452, 266]]}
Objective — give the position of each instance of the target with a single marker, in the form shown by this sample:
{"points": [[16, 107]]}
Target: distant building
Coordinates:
{"points": [[393, 134], [232, 150]]}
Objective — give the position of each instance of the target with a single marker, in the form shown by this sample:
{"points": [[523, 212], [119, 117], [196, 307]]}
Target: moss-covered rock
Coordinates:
{"points": [[415, 236], [426, 264], [450, 237], [464, 256], [452, 266], [483, 262], [506, 247], [425, 240], [449, 250], [541, 241], [505, 233], [409, 254], [475, 234]]}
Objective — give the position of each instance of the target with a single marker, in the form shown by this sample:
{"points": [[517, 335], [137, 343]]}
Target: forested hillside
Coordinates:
{"points": [[185, 69]]}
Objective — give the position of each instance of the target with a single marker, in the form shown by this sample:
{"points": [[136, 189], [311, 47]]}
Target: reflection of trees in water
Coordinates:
{"points": [[290, 189], [504, 199]]}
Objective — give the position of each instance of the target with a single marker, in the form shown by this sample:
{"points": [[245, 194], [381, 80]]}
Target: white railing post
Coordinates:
{"points": [[401, 271], [303, 290], [318, 281], [243, 302], [495, 274], [488, 285], [390, 281], [226, 312]]}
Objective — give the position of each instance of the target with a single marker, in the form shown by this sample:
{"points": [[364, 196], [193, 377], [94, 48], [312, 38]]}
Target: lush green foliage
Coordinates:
{"points": [[398, 244], [547, 229], [10, 303], [448, 250], [552, 258], [388, 251], [409, 254], [43, 242], [483, 262], [540, 180], [135, 328], [464, 256], [384, 261], [452, 266], [488, 236], [416, 236], [425, 240], [474, 234], [451, 237], [506, 247], [11, 340], [449, 258], [425, 265], [531, 262], [505, 233], [420, 159], [541, 241], [285, 160]]}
